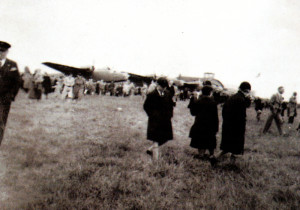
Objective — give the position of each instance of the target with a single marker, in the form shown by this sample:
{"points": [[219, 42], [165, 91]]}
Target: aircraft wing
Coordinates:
{"points": [[139, 79], [86, 72]]}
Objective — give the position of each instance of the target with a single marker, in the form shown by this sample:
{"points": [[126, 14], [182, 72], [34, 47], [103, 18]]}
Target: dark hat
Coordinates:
{"points": [[207, 83], [206, 90], [281, 87], [245, 86], [163, 82], [4, 46]]}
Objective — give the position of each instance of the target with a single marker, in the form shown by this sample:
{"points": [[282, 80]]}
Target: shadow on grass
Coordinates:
{"points": [[230, 167]]}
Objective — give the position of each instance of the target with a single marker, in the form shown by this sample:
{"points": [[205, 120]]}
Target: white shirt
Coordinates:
{"points": [[161, 93], [2, 62], [69, 81]]}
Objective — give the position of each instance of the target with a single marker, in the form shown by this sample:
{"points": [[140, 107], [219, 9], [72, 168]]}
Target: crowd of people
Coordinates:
{"points": [[74, 87], [159, 106], [160, 99]]}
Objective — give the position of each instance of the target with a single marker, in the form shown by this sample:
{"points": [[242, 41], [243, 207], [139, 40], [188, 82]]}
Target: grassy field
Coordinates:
{"points": [[90, 155]]}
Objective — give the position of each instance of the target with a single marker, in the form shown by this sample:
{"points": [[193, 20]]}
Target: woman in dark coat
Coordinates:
{"points": [[159, 108], [206, 125], [234, 122]]}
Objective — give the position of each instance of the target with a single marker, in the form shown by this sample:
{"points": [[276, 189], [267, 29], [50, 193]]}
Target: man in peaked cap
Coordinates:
{"points": [[9, 85]]}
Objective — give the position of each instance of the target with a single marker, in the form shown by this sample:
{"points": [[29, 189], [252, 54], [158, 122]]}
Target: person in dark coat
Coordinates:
{"points": [[9, 85], [234, 122], [159, 108], [46, 85], [206, 125]]}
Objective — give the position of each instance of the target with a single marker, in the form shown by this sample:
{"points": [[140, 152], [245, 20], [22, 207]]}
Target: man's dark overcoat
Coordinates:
{"points": [[159, 109], [206, 125], [234, 123], [9, 86]]}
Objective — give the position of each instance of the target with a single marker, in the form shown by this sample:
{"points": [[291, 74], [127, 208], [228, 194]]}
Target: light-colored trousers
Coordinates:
{"points": [[68, 91]]}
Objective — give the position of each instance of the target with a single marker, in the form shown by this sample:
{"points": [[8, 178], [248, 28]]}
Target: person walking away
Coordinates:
{"points": [[159, 108], [9, 84], [206, 125], [234, 122], [275, 111]]}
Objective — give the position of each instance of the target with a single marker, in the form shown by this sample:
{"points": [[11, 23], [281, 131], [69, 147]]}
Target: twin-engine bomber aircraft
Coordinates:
{"points": [[106, 75]]}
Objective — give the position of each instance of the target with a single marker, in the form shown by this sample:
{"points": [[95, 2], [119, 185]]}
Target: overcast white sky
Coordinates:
{"points": [[235, 39]]}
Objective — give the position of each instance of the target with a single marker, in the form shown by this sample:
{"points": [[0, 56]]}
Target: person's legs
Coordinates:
{"points": [[222, 153], [278, 123], [149, 150], [64, 93], [155, 151], [4, 110], [212, 159], [291, 119], [201, 152], [80, 93], [70, 92], [268, 123], [258, 114], [232, 159], [211, 152]]}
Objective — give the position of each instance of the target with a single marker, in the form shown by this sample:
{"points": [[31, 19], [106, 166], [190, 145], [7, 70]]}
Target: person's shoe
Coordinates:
{"points": [[284, 134], [213, 161], [149, 152], [232, 159]]}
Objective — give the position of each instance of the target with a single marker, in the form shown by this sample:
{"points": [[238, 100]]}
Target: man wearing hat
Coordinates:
{"points": [[9, 85], [234, 121], [275, 108], [159, 108]]}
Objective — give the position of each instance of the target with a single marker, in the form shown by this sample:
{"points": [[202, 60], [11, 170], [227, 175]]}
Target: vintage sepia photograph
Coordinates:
{"points": [[149, 104]]}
